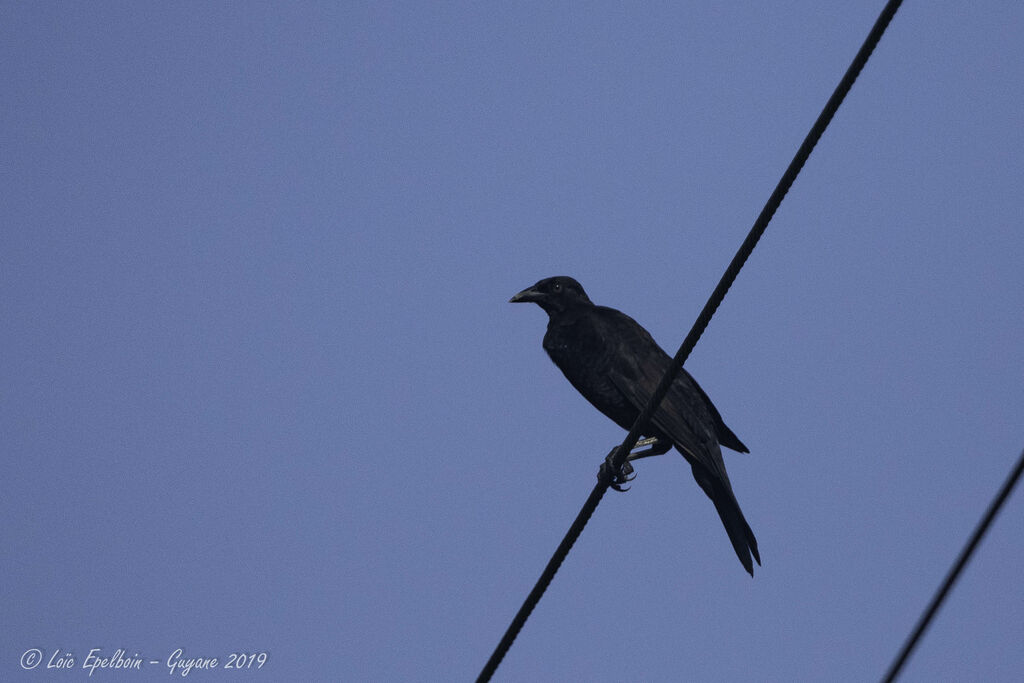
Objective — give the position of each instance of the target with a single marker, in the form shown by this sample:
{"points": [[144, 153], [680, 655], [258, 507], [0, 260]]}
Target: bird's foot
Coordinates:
{"points": [[615, 478], [625, 474]]}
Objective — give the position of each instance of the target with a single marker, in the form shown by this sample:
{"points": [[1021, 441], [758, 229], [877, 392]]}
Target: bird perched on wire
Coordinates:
{"points": [[616, 365]]}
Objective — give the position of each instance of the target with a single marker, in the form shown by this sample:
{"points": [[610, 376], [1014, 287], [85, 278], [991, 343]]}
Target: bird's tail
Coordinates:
{"points": [[740, 534]]}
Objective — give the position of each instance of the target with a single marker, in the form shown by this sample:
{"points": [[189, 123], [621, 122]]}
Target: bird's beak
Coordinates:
{"points": [[528, 294]]}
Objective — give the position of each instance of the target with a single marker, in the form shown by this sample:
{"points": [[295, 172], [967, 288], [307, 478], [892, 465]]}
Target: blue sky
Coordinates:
{"points": [[262, 391]]}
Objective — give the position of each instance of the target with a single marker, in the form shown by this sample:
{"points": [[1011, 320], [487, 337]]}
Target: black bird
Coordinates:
{"points": [[616, 365]]}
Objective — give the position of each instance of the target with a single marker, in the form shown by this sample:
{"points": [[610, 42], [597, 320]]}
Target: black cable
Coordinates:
{"points": [[695, 333], [954, 572]]}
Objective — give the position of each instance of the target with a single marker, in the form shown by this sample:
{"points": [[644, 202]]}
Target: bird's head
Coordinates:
{"points": [[554, 294]]}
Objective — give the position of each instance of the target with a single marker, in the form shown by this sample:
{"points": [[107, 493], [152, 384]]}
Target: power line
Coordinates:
{"points": [[954, 572], [696, 331]]}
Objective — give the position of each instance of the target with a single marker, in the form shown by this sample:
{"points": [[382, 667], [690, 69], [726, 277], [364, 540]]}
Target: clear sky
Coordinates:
{"points": [[261, 391]]}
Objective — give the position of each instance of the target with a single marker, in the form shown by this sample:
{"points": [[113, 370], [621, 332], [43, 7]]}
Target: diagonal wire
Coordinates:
{"points": [[954, 572], [696, 331]]}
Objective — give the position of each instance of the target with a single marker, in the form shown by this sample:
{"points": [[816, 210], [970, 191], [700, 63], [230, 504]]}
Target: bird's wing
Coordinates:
{"points": [[722, 431], [684, 415]]}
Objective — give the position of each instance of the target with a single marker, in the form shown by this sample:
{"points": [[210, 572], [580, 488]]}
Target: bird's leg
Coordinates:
{"points": [[657, 447]]}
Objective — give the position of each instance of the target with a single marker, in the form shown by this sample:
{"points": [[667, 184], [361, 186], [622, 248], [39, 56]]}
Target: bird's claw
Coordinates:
{"points": [[616, 479]]}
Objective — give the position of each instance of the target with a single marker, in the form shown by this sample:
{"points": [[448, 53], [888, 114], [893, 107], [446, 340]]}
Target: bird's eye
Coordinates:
{"points": [[556, 287]]}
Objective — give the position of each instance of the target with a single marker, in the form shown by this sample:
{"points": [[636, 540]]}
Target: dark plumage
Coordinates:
{"points": [[616, 365]]}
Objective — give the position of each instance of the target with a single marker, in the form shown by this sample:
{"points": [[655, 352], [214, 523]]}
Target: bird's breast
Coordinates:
{"points": [[584, 360]]}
